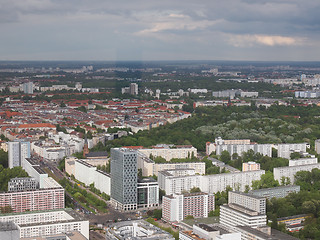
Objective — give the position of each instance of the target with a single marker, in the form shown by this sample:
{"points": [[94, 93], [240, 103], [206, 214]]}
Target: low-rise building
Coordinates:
{"points": [[276, 192], [22, 184], [250, 166], [138, 229]]}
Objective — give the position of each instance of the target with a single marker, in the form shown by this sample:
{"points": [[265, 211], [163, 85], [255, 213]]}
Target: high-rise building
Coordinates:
{"points": [[124, 178], [28, 87], [133, 89], [176, 207], [17, 152]]}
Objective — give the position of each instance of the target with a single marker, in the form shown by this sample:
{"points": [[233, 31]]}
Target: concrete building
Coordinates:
{"points": [[233, 215], [177, 206], [176, 181], [32, 167], [33, 200], [317, 145], [150, 168], [276, 192], [46, 223], [250, 166], [303, 161], [137, 229], [213, 232], [28, 87], [262, 233], [148, 193], [264, 149], [17, 152], [170, 151], [22, 184], [124, 178], [248, 201], [88, 174], [290, 172], [9, 231], [285, 150]]}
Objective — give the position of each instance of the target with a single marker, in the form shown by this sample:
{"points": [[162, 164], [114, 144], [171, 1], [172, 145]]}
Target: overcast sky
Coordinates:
{"points": [[160, 30]]}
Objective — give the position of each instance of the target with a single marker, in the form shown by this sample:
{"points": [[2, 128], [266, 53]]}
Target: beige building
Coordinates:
{"points": [[250, 166]]}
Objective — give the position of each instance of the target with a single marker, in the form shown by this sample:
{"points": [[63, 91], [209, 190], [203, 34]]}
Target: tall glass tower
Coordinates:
{"points": [[124, 176]]}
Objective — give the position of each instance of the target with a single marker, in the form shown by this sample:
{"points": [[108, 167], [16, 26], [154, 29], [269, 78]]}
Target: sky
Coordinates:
{"points": [[255, 30]]}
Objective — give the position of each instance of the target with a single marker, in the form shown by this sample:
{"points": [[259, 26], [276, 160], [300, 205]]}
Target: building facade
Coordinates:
{"points": [[250, 166], [290, 172], [21, 184], [148, 193], [276, 192], [248, 201], [285, 150], [177, 206], [124, 178], [17, 152]]}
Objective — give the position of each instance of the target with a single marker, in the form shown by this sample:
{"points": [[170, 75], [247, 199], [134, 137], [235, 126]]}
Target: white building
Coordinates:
{"points": [[248, 201], [17, 152], [88, 174], [46, 223], [176, 181], [285, 150], [264, 149], [148, 193], [233, 215], [170, 151], [290, 172], [33, 169], [303, 161], [21, 184], [176, 207]]}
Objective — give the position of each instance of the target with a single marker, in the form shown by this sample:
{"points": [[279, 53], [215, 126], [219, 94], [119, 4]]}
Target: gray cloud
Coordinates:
{"points": [[206, 29]]}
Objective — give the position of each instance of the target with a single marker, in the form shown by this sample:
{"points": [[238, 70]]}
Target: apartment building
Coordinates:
{"points": [[47, 223], [176, 207], [303, 161], [170, 151], [276, 192], [248, 201], [21, 184], [285, 150], [250, 166], [290, 172]]}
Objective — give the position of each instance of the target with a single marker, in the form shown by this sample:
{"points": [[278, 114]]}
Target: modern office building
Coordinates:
{"points": [[22, 184], [148, 193], [248, 201], [176, 207], [32, 167], [276, 192], [47, 223], [17, 152], [124, 178], [290, 172], [250, 166]]}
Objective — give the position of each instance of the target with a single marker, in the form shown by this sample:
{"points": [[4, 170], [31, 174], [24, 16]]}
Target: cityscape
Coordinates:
{"points": [[159, 120]]}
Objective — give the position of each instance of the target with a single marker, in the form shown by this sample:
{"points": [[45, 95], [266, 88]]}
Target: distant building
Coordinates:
{"points": [[132, 89], [17, 152], [28, 87], [285, 150], [248, 201], [303, 161], [250, 166], [317, 145], [177, 206], [290, 172], [276, 192]]}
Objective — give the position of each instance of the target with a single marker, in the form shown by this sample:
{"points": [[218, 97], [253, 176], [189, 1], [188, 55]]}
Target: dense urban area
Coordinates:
{"points": [[159, 150]]}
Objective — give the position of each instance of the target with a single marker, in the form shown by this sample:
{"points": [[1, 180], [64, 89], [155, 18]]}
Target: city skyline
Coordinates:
{"points": [[143, 30]]}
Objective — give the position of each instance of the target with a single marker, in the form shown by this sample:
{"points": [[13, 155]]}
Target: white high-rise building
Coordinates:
{"points": [[28, 88], [18, 151]]}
